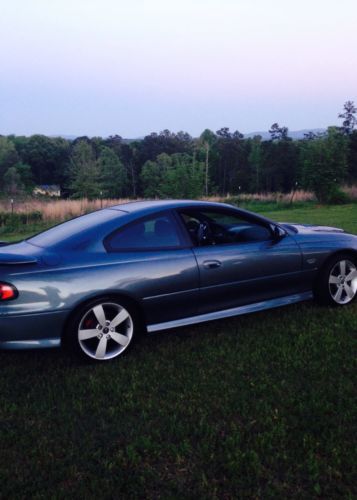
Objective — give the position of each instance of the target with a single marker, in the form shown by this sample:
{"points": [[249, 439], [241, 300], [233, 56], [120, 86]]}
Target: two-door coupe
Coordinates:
{"points": [[93, 282]]}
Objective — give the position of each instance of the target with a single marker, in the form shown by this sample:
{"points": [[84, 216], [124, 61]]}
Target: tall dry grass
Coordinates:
{"points": [[54, 210], [299, 195], [351, 191], [57, 210]]}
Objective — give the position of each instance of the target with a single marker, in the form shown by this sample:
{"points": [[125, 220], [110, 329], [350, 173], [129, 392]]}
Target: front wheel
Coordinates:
{"points": [[337, 284], [101, 330]]}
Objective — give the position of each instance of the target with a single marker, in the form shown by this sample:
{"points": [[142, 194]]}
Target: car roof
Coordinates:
{"points": [[148, 206], [84, 227]]}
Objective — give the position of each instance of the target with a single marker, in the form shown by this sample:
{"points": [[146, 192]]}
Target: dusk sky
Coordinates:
{"points": [[104, 67]]}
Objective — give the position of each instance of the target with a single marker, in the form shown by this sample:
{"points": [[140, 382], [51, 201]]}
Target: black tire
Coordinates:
{"points": [[336, 285], [93, 334]]}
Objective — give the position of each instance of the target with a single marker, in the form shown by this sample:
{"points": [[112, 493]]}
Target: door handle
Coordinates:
{"points": [[211, 264]]}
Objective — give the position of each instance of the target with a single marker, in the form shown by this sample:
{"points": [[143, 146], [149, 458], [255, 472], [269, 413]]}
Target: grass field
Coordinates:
{"points": [[260, 406]]}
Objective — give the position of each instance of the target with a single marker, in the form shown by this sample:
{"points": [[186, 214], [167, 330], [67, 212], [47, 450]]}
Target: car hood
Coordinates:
{"points": [[311, 229]]}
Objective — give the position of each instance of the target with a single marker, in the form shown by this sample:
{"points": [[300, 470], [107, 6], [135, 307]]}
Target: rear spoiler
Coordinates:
{"points": [[10, 259]]}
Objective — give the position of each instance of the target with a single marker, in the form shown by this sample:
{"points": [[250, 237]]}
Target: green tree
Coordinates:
{"points": [[324, 164], [48, 157], [12, 182], [8, 158], [352, 157], [255, 161], [207, 139], [84, 172], [26, 176], [349, 117], [152, 175], [177, 176], [112, 174], [129, 157], [230, 170], [184, 178], [278, 133]]}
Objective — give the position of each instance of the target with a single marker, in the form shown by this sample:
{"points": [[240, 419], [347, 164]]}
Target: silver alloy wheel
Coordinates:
{"points": [[105, 331], [343, 281]]}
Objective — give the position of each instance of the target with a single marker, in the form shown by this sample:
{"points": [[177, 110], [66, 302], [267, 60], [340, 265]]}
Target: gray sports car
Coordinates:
{"points": [[93, 282]]}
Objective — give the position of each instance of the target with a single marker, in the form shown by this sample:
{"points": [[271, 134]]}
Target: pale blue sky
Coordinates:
{"points": [[101, 67]]}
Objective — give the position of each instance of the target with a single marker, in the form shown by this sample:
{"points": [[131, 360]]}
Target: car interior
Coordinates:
{"points": [[207, 230]]}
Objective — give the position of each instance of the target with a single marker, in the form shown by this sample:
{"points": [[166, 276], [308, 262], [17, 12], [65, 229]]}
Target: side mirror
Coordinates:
{"points": [[279, 233]]}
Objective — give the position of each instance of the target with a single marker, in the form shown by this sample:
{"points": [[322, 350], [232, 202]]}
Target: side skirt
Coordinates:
{"points": [[235, 311], [13, 345]]}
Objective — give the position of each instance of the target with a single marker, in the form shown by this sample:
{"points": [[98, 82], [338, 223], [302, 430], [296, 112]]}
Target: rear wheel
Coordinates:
{"points": [[102, 330], [337, 283]]}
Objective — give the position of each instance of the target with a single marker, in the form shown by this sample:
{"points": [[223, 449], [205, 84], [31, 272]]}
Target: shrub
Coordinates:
{"points": [[14, 221], [338, 197]]}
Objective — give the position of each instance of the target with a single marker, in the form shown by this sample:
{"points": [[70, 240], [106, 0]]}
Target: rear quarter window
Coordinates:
{"points": [[155, 232], [73, 228]]}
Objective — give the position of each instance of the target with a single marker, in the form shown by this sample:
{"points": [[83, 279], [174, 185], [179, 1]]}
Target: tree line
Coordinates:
{"points": [[168, 164]]}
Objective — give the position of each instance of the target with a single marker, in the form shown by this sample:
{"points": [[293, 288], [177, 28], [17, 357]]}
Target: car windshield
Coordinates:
{"points": [[73, 227]]}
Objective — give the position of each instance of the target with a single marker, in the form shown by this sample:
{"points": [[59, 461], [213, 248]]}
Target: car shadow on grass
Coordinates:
{"points": [[145, 345]]}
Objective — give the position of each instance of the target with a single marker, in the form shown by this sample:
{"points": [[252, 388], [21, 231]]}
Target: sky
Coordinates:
{"points": [[105, 67]]}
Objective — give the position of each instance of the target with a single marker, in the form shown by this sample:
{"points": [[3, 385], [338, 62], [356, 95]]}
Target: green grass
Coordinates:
{"points": [[27, 230], [270, 206], [260, 406], [344, 216]]}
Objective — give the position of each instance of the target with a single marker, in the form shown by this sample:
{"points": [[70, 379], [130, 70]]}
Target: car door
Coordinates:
{"points": [[239, 259], [154, 264]]}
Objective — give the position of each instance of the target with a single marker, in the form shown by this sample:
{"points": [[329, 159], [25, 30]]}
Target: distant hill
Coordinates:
{"points": [[73, 137], [294, 134], [64, 136]]}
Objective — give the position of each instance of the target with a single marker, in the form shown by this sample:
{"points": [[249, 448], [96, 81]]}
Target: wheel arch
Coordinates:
{"points": [[109, 295], [346, 252]]}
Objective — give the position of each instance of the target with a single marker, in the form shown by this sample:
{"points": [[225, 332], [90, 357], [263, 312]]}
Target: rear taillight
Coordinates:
{"points": [[7, 292]]}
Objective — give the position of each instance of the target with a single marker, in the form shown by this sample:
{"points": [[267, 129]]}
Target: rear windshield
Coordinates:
{"points": [[73, 227]]}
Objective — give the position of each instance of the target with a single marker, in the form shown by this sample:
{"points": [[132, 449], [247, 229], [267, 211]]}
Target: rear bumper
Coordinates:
{"points": [[32, 331]]}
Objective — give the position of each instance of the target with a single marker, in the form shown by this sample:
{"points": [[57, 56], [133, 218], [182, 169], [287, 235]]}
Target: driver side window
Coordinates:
{"points": [[207, 227]]}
